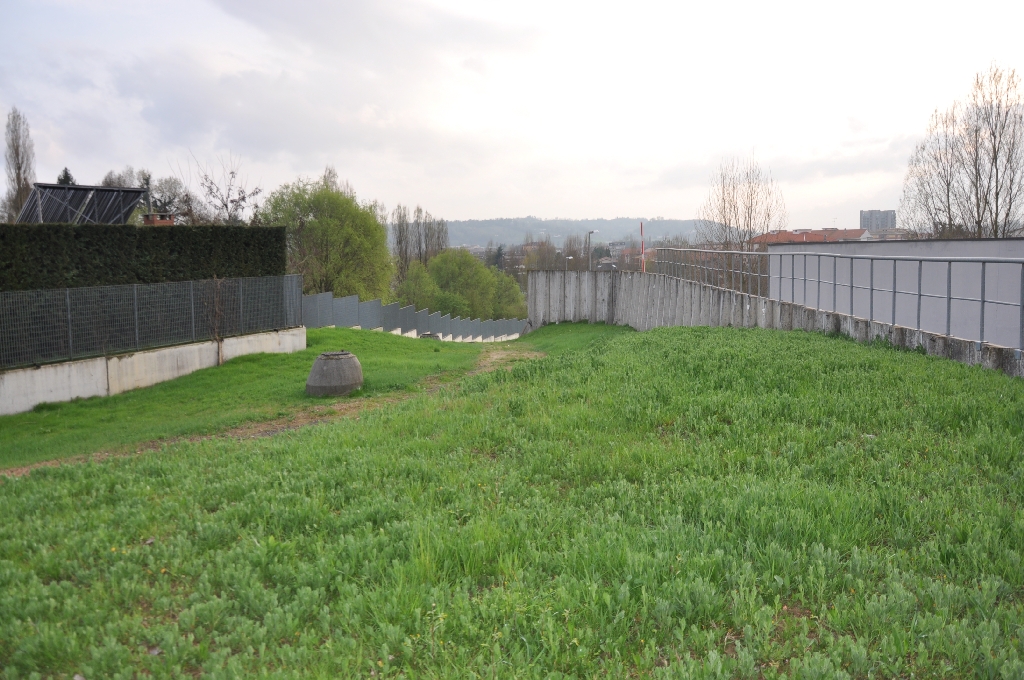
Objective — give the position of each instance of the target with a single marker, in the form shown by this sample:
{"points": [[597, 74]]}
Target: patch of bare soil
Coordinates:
{"points": [[492, 358], [502, 356]]}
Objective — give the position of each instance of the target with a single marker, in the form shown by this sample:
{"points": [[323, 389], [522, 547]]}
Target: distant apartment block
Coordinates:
{"points": [[877, 221]]}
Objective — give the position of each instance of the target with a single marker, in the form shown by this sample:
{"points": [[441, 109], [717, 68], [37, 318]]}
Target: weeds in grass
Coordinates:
{"points": [[682, 502], [251, 388]]}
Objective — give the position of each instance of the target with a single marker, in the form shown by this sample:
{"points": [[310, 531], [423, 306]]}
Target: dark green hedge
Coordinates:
{"points": [[37, 256]]}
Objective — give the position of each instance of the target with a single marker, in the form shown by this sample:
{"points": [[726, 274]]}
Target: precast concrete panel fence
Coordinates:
{"points": [[323, 309], [975, 316]]}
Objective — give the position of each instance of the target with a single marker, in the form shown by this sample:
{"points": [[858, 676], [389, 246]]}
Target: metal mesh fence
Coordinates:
{"points": [[41, 326]]}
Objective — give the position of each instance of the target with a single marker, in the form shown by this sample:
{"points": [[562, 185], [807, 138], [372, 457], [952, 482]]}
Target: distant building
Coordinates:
{"points": [[476, 251], [828, 235], [811, 236], [615, 248], [881, 224], [158, 220], [877, 221]]}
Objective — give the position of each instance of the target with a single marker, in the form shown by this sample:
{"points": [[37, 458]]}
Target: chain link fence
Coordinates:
{"points": [[42, 326]]}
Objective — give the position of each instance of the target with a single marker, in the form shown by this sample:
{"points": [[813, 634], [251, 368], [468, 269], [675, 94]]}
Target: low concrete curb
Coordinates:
{"points": [[22, 389]]}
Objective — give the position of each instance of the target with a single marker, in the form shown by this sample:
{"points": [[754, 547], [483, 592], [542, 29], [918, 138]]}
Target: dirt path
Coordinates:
{"points": [[492, 357]]}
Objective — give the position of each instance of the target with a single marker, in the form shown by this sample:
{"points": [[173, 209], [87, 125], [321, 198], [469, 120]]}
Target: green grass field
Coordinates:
{"points": [[686, 502], [257, 387]]}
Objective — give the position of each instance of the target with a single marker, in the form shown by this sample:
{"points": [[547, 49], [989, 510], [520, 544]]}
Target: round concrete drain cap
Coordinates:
{"points": [[334, 374]]}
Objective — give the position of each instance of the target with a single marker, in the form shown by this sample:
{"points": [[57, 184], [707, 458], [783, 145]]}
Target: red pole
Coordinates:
{"points": [[643, 253]]}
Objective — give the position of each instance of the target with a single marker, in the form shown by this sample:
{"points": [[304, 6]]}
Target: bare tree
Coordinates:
{"points": [[966, 178], [192, 210], [932, 188], [331, 181], [744, 202], [573, 246], [20, 157], [435, 236], [419, 238], [629, 256], [673, 241], [163, 195], [127, 178], [228, 195], [401, 241], [541, 254], [416, 230], [223, 196]]}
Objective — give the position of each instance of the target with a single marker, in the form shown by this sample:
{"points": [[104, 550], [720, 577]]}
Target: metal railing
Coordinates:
{"points": [[975, 298], [731, 269], [43, 326]]}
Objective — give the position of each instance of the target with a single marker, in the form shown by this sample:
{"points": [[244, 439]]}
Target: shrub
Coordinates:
{"points": [[41, 256]]}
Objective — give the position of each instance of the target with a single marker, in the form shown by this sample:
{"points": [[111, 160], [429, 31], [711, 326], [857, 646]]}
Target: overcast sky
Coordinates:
{"points": [[504, 109]]}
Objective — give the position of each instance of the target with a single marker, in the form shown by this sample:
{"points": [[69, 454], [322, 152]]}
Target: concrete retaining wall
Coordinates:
{"points": [[142, 369], [22, 389], [645, 301]]}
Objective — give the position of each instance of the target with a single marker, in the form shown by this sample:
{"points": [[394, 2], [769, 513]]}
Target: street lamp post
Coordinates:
{"points": [[567, 262], [590, 257]]}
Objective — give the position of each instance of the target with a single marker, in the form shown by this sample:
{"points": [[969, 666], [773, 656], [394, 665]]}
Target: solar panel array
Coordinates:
{"points": [[76, 204]]}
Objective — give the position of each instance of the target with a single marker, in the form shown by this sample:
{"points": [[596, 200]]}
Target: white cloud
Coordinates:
{"points": [[503, 109]]}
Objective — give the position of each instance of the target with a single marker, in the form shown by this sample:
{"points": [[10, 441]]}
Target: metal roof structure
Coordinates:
{"points": [[77, 204]]}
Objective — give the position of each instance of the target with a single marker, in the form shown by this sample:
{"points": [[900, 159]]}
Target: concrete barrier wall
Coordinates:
{"points": [[323, 309], [22, 389], [142, 369], [277, 342], [644, 301]]}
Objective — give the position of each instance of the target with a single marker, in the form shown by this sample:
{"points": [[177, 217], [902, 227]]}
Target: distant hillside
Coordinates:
{"points": [[511, 230]]}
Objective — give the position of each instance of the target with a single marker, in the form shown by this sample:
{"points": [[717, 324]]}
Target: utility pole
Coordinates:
{"points": [[590, 257], [643, 254]]}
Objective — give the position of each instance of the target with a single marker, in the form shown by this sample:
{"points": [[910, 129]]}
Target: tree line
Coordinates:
{"points": [[336, 242], [966, 178]]}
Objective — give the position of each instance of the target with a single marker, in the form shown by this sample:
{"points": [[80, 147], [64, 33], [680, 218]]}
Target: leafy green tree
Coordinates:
{"points": [[451, 303], [457, 271], [508, 297], [418, 288], [455, 282], [336, 244]]}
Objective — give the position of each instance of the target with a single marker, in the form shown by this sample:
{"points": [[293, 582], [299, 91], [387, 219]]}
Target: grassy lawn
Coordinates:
{"points": [[559, 338], [686, 502], [256, 387]]}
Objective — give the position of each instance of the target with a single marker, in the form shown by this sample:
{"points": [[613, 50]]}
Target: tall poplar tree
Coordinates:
{"points": [[20, 159]]}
